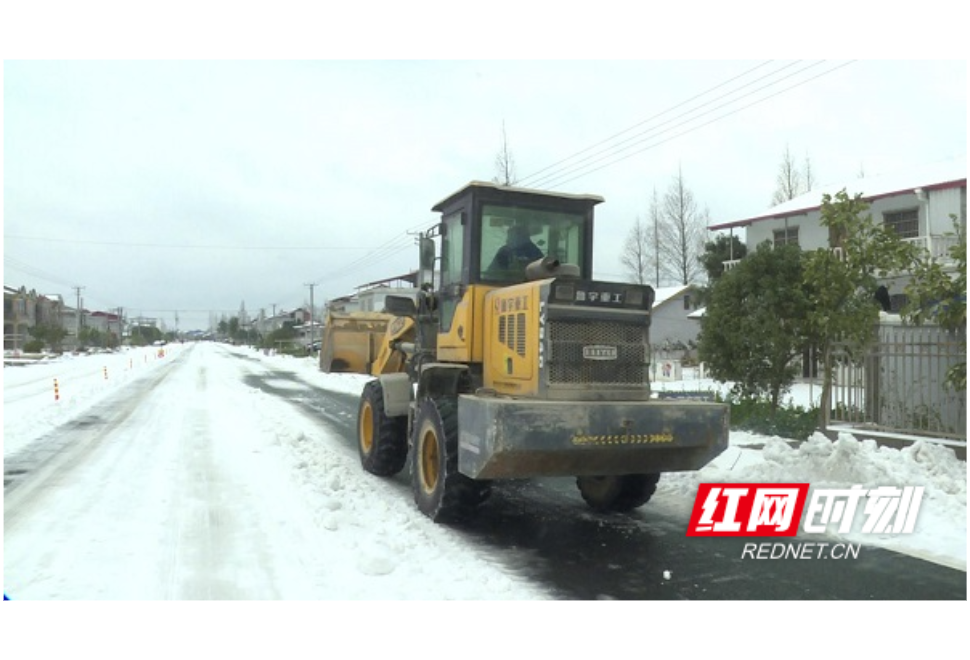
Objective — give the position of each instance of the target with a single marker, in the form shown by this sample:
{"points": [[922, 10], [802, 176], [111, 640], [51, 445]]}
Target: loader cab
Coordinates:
{"points": [[490, 232]]}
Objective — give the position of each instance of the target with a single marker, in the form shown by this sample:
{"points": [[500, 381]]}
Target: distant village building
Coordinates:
{"points": [[105, 322], [370, 297], [23, 310]]}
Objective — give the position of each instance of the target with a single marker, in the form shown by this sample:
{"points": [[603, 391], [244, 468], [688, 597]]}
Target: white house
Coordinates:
{"points": [[670, 325], [917, 203]]}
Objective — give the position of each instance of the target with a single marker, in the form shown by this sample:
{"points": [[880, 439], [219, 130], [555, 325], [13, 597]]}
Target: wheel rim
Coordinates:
{"points": [[429, 461], [366, 428]]}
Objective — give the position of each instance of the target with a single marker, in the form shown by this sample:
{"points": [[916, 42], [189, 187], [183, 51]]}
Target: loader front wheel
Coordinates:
{"points": [[381, 440], [440, 491], [618, 493]]}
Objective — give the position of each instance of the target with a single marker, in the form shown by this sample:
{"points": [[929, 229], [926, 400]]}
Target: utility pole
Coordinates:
{"points": [[77, 318], [310, 345]]}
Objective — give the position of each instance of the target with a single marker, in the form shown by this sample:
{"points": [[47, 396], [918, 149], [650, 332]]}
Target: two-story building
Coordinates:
{"points": [[918, 204]]}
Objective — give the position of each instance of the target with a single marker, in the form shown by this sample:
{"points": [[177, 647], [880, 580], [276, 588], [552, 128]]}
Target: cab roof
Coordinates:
{"points": [[486, 185]]}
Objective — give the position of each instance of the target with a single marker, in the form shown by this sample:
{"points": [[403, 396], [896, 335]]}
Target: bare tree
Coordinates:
{"points": [[635, 257], [681, 233], [789, 180], [641, 255], [792, 181], [656, 218], [808, 176], [504, 163]]}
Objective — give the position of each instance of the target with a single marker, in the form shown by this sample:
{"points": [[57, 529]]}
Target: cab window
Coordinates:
{"points": [[512, 237]]}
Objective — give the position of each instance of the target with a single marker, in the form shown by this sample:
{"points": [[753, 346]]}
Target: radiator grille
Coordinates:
{"points": [[511, 332], [567, 366]]}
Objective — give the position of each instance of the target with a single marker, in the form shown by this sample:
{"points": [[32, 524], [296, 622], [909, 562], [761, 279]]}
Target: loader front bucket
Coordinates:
{"points": [[500, 438], [351, 341]]}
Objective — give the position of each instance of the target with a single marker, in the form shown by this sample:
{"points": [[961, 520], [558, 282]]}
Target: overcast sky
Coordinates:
{"points": [[191, 187]]}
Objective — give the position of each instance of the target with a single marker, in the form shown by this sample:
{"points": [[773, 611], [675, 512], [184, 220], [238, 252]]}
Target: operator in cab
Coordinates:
{"points": [[518, 251]]}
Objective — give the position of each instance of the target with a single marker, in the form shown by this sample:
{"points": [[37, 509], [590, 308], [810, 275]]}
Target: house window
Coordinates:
{"points": [[786, 236], [904, 223]]}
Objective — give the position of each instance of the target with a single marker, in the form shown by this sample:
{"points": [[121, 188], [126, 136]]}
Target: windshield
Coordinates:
{"points": [[513, 237]]}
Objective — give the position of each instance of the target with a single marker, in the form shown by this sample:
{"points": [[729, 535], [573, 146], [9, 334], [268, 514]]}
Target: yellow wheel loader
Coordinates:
{"points": [[513, 362]]}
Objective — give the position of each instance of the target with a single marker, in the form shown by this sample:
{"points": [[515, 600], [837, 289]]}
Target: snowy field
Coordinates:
{"points": [[30, 410]]}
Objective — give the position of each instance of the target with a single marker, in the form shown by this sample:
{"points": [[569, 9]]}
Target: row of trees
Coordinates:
{"points": [[671, 246], [284, 337]]}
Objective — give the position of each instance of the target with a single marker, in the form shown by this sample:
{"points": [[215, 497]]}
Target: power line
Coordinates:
{"points": [[685, 118], [627, 130], [33, 271], [612, 154], [389, 248]]}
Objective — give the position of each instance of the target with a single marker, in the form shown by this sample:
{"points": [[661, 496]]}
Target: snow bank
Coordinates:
{"points": [[941, 528]]}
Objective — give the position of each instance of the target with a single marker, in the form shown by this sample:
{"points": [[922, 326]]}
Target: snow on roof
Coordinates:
{"points": [[940, 174], [666, 293]]}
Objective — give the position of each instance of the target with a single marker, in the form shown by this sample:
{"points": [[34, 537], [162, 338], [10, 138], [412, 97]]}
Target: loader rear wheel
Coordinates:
{"points": [[440, 491], [382, 440], [618, 493]]}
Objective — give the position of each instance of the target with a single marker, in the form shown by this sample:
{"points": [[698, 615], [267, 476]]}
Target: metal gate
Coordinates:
{"points": [[898, 383]]}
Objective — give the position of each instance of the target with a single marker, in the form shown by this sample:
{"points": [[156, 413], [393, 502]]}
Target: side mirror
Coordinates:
{"points": [[427, 256], [426, 261]]}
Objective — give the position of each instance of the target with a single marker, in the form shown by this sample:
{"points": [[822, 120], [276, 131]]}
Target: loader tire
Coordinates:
{"points": [[381, 440], [440, 491], [619, 493]]}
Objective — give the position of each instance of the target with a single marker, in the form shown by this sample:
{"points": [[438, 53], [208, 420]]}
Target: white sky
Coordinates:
{"points": [[195, 185], [216, 491]]}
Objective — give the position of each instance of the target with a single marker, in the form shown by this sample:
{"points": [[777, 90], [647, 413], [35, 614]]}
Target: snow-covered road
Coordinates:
{"points": [[179, 485]]}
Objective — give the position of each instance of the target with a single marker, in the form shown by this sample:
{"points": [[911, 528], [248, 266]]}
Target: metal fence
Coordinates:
{"points": [[898, 383]]}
